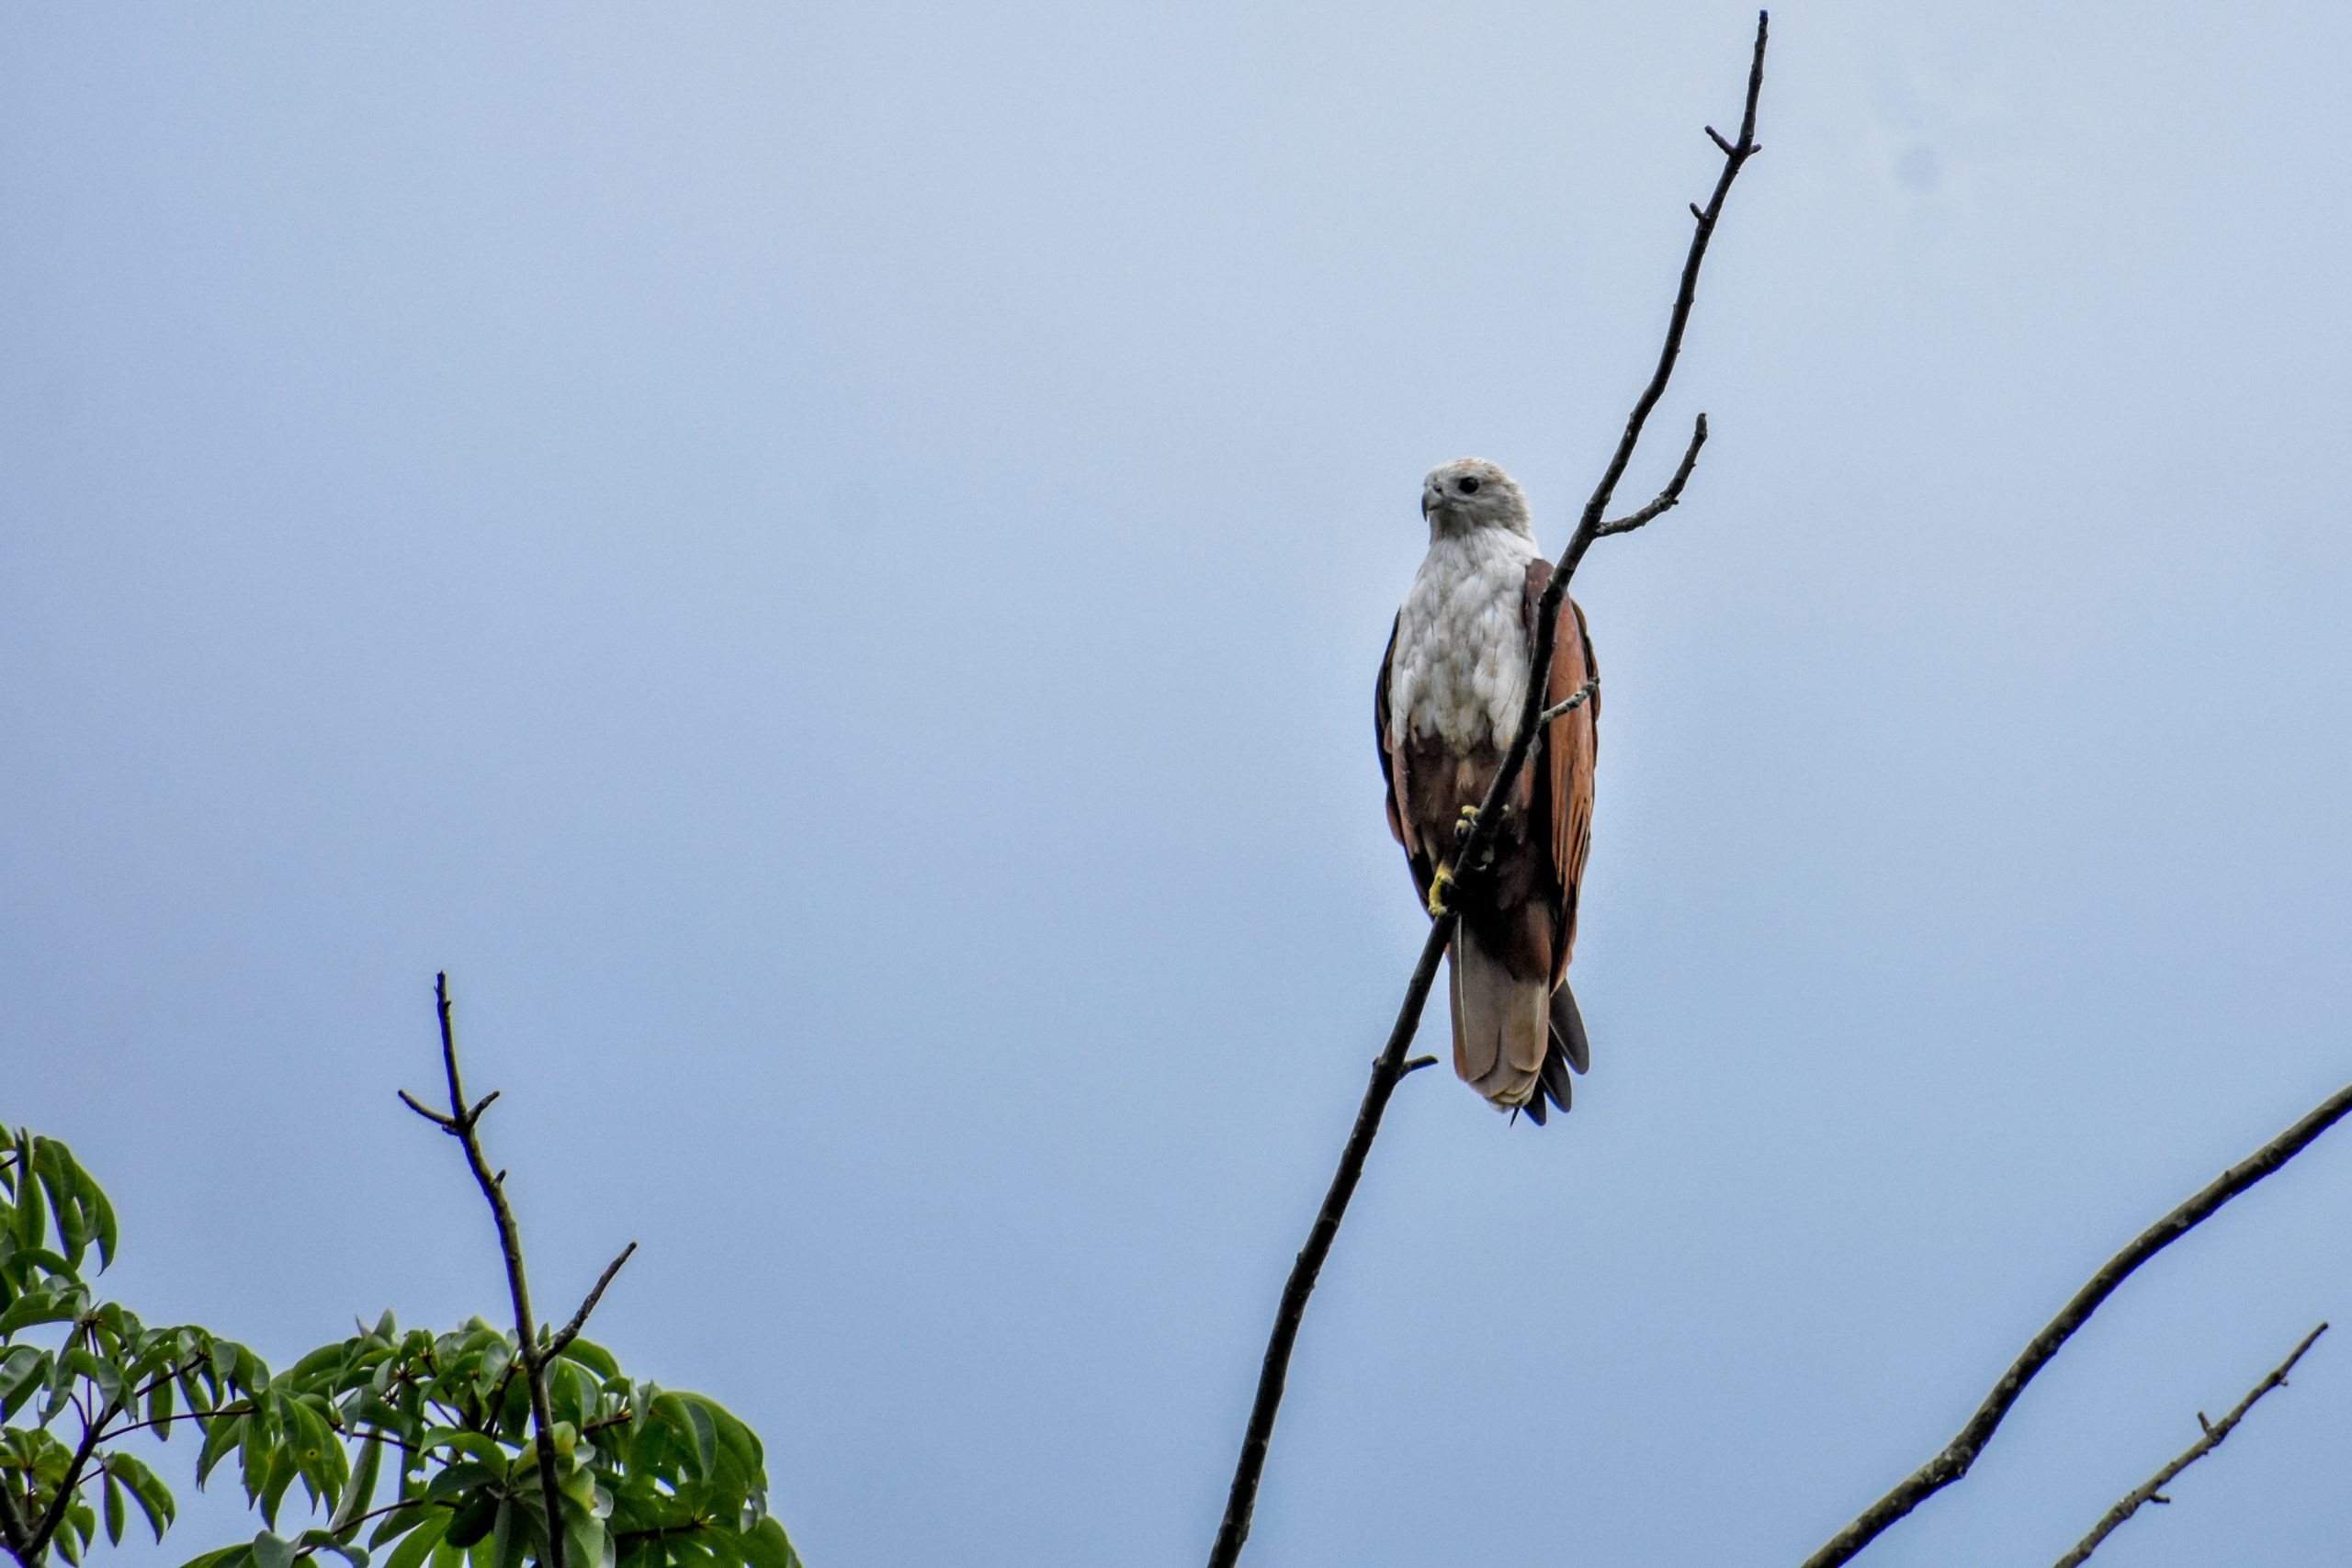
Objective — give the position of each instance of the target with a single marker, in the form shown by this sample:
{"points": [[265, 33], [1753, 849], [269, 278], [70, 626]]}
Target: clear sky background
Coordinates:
{"points": [[828, 563]]}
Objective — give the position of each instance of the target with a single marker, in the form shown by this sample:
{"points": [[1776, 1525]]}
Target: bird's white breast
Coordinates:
{"points": [[1460, 668]]}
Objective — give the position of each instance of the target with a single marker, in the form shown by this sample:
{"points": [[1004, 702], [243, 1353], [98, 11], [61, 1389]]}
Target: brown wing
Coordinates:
{"points": [[1392, 772], [1564, 781]]}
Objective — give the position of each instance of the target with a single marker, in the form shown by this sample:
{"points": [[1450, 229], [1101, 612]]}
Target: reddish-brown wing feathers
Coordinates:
{"points": [[1392, 775], [1564, 775]]}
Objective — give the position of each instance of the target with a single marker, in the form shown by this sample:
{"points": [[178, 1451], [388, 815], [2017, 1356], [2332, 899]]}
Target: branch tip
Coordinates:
{"points": [[443, 1122], [570, 1331]]}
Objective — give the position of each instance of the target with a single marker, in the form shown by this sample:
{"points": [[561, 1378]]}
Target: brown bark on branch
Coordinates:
{"points": [[460, 1122], [2152, 1490], [1959, 1453], [1391, 1067]]}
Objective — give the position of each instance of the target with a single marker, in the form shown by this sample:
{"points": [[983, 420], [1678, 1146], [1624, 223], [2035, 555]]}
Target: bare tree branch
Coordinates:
{"points": [[1385, 1073], [1953, 1463], [1390, 1067], [460, 1123], [2151, 1489], [570, 1331]]}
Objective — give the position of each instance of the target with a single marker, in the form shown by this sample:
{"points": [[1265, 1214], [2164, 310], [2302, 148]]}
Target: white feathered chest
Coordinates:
{"points": [[1460, 668]]}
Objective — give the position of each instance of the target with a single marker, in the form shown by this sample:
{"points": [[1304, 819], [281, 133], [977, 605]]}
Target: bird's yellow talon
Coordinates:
{"points": [[1439, 887], [1466, 824]]}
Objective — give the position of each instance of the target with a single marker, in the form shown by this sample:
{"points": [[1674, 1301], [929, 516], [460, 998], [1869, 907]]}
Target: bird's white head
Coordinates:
{"points": [[1470, 493]]}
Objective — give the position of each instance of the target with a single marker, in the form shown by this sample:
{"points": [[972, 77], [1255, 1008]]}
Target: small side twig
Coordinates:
{"points": [[1570, 703], [1669, 498], [1952, 1462], [570, 1331], [2151, 1489], [460, 1123]]}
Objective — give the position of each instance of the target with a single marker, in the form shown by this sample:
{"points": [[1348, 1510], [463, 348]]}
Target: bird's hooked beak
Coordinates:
{"points": [[1432, 499]]}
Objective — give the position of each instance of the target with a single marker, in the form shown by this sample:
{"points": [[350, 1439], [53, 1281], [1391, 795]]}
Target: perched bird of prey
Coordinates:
{"points": [[1447, 707]]}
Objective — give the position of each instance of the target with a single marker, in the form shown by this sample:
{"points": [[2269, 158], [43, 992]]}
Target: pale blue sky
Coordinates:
{"points": [[828, 565]]}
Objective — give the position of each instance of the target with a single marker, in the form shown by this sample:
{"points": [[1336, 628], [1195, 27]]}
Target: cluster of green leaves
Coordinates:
{"points": [[101, 1365], [410, 1443], [646, 1478]]}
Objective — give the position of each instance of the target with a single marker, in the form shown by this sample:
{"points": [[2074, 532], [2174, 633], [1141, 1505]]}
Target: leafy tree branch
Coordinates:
{"points": [[422, 1449]]}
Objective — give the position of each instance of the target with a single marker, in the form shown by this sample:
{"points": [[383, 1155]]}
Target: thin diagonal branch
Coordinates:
{"points": [[460, 1123], [570, 1331], [45, 1529], [1241, 1501], [1959, 1453], [2151, 1489]]}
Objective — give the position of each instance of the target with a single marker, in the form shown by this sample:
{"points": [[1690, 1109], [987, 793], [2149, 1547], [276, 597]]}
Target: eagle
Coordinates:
{"points": [[1447, 707]]}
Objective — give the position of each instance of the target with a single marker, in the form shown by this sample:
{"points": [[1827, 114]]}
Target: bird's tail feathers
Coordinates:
{"points": [[1501, 1025]]}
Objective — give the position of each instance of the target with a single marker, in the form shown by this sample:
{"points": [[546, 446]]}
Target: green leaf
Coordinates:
{"points": [[27, 1368], [282, 1464], [473, 1519], [310, 1366], [161, 1396], [154, 1499], [31, 1216], [199, 1398], [595, 1358], [271, 1551], [411, 1552], [509, 1536], [696, 1421], [361, 1489], [36, 1307], [111, 1488], [766, 1546], [221, 1433], [403, 1520], [585, 1543], [479, 1445], [463, 1476], [317, 1453], [325, 1541], [235, 1556]]}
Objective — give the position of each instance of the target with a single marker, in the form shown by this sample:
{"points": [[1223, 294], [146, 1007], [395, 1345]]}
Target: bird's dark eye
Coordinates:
{"points": [[1467, 487]]}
